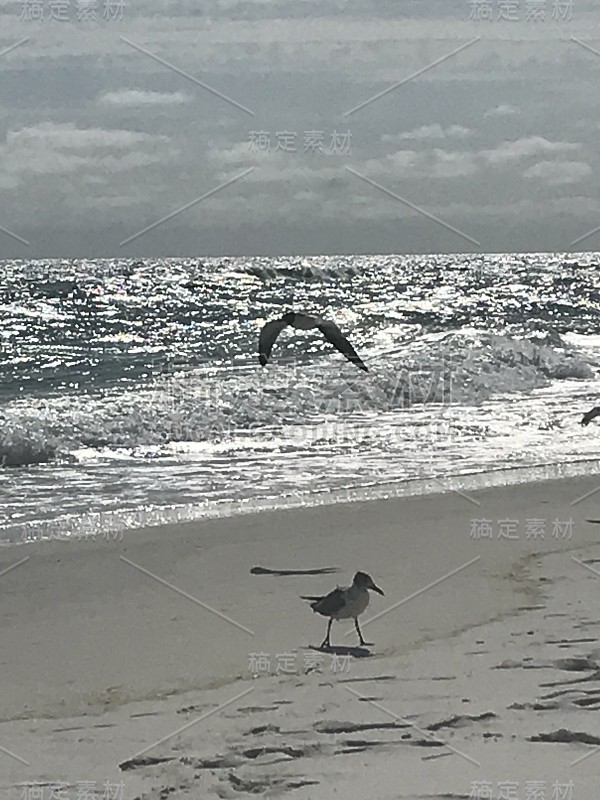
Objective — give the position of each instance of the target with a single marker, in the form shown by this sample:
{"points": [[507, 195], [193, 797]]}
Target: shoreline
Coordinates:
{"points": [[122, 522]]}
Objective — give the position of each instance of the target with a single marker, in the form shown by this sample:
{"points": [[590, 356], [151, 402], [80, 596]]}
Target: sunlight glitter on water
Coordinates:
{"points": [[137, 390]]}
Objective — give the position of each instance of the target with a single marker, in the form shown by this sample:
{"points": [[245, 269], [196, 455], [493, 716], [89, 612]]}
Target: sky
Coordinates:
{"points": [[274, 127]]}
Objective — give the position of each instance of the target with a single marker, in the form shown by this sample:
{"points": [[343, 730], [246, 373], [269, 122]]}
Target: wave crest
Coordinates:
{"points": [[211, 406]]}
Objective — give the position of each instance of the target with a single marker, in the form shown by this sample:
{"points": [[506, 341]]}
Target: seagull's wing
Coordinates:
{"points": [[266, 340], [305, 322], [333, 334], [331, 603], [587, 418]]}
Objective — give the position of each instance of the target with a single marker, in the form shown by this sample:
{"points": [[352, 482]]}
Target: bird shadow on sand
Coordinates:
{"points": [[284, 572], [340, 650]]}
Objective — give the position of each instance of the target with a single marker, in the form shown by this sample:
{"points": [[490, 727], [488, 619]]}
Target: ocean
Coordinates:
{"points": [[131, 393]]}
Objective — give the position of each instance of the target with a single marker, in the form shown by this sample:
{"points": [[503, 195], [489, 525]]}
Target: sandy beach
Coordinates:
{"points": [[111, 647]]}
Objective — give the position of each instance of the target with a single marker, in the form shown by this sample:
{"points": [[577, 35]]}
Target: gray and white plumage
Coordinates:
{"points": [[587, 418], [305, 322], [345, 602]]}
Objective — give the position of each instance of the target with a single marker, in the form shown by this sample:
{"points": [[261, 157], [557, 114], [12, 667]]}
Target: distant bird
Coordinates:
{"points": [[330, 331], [347, 602], [587, 418]]}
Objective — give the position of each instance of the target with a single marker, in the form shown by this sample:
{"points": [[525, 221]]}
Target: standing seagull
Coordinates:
{"points": [[587, 418], [345, 602], [330, 331]]}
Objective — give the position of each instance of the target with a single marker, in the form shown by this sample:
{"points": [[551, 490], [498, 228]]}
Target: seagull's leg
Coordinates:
{"points": [[360, 636], [326, 642]]}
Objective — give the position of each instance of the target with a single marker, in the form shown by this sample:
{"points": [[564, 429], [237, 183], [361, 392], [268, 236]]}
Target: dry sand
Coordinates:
{"points": [[100, 660]]}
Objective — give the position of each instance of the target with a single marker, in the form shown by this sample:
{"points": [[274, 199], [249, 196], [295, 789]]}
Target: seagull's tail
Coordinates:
{"points": [[314, 601]]}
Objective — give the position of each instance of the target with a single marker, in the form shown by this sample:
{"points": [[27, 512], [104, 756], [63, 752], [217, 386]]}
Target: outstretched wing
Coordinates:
{"points": [[267, 337], [587, 418], [333, 334]]}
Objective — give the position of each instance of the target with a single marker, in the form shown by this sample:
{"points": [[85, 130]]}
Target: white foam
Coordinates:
{"points": [[110, 525]]}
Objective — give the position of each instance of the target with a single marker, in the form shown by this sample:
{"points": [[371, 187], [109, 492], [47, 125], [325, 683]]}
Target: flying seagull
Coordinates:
{"points": [[587, 418], [330, 331], [345, 602]]}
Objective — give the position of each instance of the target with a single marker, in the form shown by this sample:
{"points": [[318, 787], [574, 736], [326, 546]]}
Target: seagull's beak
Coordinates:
{"points": [[376, 589]]}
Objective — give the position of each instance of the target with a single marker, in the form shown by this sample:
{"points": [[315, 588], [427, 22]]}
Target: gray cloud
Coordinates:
{"points": [[430, 132], [137, 98], [503, 110], [557, 173], [98, 140], [525, 148]]}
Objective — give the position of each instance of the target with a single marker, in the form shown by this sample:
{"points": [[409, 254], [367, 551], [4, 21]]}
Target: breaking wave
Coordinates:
{"points": [[218, 405]]}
